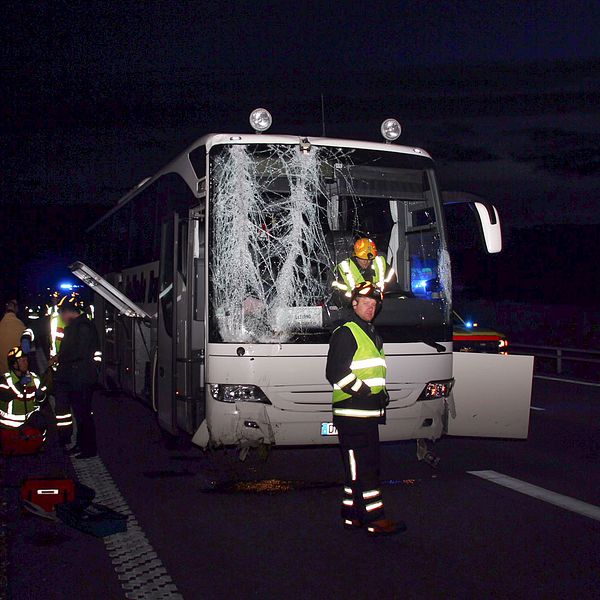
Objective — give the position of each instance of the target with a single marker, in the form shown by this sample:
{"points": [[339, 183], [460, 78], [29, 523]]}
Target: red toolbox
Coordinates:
{"points": [[47, 493], [24, 440]]}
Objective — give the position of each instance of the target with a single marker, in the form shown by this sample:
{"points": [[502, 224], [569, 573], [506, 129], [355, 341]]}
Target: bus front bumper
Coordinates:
{"points": [[250, 424]]}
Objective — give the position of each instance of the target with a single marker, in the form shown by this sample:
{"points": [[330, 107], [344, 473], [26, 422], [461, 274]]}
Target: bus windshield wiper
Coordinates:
{"points": [[434, 345]]}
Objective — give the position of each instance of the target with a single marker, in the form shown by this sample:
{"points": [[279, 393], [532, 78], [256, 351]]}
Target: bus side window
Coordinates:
{"points": [[120, 237], [142, 233]]}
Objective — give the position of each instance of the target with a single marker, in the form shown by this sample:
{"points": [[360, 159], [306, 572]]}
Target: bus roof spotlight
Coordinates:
{"points": [[260, 119], [391, 130]]}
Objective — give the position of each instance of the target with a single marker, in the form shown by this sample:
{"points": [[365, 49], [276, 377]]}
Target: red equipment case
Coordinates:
{"points": [[25, 440], [48, 492]]}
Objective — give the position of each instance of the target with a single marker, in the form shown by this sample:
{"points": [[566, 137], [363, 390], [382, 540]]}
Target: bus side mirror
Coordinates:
{"points": [[489, 222], [487, 217]]}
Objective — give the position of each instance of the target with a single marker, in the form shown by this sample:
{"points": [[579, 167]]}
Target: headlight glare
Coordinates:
{"points": [[437, 389], [238, 393]]}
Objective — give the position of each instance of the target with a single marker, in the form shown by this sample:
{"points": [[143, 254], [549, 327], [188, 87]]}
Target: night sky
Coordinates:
{"points": [[96, 96]]}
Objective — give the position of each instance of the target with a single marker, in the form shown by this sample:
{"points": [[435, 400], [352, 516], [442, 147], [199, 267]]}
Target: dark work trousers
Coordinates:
{"points": [[359, 444], [63, 413], [81, 401]]}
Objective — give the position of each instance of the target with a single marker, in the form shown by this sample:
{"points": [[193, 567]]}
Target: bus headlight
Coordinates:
{"points": [[260, 119], [238, 393], [437, 389]]}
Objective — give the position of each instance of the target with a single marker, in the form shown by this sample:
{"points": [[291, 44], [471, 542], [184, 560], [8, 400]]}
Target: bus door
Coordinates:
{"points": [[114, 332], [180, 348], [166, 348], [491, 396]]}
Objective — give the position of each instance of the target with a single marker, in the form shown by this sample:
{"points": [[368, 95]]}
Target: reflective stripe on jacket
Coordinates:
{"points": [[351, 275], [367, 368], [57, 332], [17, 400]]}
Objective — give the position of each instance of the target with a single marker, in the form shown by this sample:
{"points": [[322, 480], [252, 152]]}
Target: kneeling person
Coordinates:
{"points": [[356, 368], [21, 395]]}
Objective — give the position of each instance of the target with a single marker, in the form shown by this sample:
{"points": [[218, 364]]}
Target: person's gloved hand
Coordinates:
{"points": [[39, 396], [382, 397]]}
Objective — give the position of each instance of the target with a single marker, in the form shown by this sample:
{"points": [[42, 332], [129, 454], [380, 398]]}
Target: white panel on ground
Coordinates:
{"points": [[491, 396]]}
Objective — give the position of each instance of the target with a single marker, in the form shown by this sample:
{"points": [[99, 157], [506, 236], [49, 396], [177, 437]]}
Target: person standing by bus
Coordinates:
{"points": [[76, 375], [56, 323], [364, 265], [356, 369]]}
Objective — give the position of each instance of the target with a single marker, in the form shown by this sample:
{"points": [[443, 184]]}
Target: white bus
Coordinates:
{"points": [[214, 299]]}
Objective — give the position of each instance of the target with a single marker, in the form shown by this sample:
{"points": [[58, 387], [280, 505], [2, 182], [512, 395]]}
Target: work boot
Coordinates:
{"points": [[352, 524], [385, 527]]}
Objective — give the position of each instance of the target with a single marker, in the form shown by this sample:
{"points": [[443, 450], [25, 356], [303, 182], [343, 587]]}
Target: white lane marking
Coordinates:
{"points": [[140, 571], [536, 408], [575, 381], [572, 504]]}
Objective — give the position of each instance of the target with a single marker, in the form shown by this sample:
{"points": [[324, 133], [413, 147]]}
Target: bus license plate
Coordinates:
{"points": [[328, 429]]}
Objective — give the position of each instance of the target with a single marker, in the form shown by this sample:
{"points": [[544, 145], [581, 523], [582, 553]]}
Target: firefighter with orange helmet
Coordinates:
{"points": [[364, 265]]}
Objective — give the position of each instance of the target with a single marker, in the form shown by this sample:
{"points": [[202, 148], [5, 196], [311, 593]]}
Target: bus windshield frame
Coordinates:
{"points": [[281, 217]]}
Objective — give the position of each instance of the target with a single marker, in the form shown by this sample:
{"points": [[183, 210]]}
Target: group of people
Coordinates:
{"points": [[356, 368], [73, 354]]}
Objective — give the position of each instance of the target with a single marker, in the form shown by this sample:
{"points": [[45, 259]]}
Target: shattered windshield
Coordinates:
{"points": [[281, 218]]}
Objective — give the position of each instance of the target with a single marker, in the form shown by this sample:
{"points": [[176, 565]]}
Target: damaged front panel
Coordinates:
{"points": [[281, 217]]}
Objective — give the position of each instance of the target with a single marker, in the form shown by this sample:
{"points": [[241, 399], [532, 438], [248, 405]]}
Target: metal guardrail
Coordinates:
{"points": [[558, 354]]}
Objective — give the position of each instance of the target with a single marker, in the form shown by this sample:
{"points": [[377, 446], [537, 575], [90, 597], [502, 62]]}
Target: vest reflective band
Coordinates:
{"points": [[368, 366], [21, 405], [57, 332], [352, 276]]}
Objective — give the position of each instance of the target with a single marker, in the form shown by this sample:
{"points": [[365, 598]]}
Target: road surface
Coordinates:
{"points": [[207, 526]]}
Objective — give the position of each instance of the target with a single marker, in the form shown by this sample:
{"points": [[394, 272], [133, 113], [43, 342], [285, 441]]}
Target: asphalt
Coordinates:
{"points": [[271, 528]]}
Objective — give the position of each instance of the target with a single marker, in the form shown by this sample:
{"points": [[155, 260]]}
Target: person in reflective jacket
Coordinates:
{"points": [[21, 394], [76, 375], [57, 324], [364, 265], [356, 369]]}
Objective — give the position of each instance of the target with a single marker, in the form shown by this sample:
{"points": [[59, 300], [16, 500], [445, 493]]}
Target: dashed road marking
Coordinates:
{"points": [[139, 569], [536, 408], [572, 504]]}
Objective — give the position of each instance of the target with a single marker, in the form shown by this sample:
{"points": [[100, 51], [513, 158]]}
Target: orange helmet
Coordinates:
{"points": [[14, 354], [365, 248]]}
